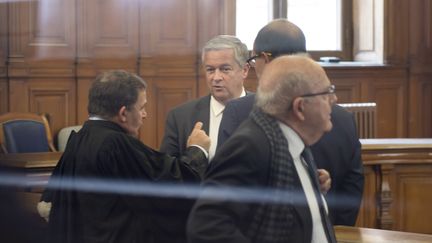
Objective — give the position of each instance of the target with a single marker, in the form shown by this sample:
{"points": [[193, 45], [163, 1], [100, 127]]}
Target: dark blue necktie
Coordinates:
{"points": [[313, 173]]}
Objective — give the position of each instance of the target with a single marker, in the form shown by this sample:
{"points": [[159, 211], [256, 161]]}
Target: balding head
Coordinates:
{"points": [[280, 37], [296, 91], [283, 79]]}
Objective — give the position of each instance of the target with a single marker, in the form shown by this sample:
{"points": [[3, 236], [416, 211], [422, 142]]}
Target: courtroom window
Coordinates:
{"points": [[327, 24]]}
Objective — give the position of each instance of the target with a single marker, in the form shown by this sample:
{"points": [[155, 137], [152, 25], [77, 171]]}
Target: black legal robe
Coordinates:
{"points": [[102, 150]]}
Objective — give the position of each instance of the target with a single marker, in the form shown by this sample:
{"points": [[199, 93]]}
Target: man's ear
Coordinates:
{"points": [[122, 114], [245, 71], [298, 108], [267, 58]]}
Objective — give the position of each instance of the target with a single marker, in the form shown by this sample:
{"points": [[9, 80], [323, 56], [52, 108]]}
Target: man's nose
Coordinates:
{"points": [[218, 75], [333, 98]]}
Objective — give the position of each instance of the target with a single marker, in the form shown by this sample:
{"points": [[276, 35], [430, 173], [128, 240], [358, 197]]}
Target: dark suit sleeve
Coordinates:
{"points": [[239, 164], [229, 123], [170, 142], [351, 189]]}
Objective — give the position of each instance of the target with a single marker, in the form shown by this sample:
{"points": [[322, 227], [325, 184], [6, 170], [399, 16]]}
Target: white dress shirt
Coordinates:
{"points": [[296, 147], [216, 113]]}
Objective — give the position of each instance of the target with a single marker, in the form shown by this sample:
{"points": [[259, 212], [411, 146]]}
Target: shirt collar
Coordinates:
{"points": [[216, 107], [96, 118], [295, 143]]}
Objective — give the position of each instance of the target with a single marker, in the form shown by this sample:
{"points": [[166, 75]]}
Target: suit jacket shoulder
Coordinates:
{"points": [[236, 111], [180, 122]]}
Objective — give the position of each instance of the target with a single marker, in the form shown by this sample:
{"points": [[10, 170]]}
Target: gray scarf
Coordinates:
{"points": [[273, 222]]}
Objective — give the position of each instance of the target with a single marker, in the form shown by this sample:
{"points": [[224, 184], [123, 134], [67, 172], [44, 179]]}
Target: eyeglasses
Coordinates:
{"points": [[330, 90], [252, 62]]}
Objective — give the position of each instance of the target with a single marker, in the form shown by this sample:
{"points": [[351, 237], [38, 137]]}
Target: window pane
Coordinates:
{"points": [[251, 16], [320, 20]]}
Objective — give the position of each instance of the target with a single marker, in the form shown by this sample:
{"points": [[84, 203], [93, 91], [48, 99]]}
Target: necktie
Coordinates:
{"points": [[312, 170]]}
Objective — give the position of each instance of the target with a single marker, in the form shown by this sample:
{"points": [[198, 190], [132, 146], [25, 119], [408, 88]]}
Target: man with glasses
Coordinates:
{"points": [[266, 169], [224, 61], [338, 152]]}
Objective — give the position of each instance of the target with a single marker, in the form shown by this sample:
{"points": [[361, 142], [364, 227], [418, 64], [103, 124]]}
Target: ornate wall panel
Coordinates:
{"points": [[168, 94], [420, 80], [162, 96], [56, 97], [396, 29], [411, 198], [4, 94], [41, 31], [390, 96], [107, 34], [367, 216], [168, 28], [420, 109]]}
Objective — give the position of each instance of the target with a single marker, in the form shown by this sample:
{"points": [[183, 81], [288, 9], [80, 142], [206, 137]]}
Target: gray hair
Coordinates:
{"points": [[223, 42]]}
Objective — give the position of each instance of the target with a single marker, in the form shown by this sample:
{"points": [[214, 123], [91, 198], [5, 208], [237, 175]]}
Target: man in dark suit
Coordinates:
{"points": [[339, 151], [224, 61], [270, 151]]}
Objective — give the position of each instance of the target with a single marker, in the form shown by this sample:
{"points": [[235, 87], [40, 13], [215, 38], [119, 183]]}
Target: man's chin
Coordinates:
{"points": [[329, 127]]}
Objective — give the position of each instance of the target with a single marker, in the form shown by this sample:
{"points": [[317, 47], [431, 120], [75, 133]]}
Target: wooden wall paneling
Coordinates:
{"points": [[107, 38], [396, 31], [367, 216], [168, 59], [54, 96], [169, 28], [405, 166], [215, 17], [420, 114], [41, 32], [420, 37], [170, 83], [41, 59], [391, 98], [348, 82], [4, 96], [108, 34], [83, 86], [386, 199], [419, 106], [412, 198], [163, 95], [347, 90]]}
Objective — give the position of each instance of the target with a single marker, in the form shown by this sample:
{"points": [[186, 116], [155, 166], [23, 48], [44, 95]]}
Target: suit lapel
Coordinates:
{"points": [[203, 112]]}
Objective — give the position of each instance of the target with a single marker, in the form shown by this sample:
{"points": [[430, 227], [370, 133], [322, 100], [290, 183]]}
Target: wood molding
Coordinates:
{"points": [[4, 96], [55, 97], [412, 183], [34, 44], [168, 36], [107, 30], [367, 216], [420, 110]]}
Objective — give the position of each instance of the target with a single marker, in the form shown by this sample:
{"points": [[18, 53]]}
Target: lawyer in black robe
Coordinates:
{"points": [[93, 187], [101, 149]]}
